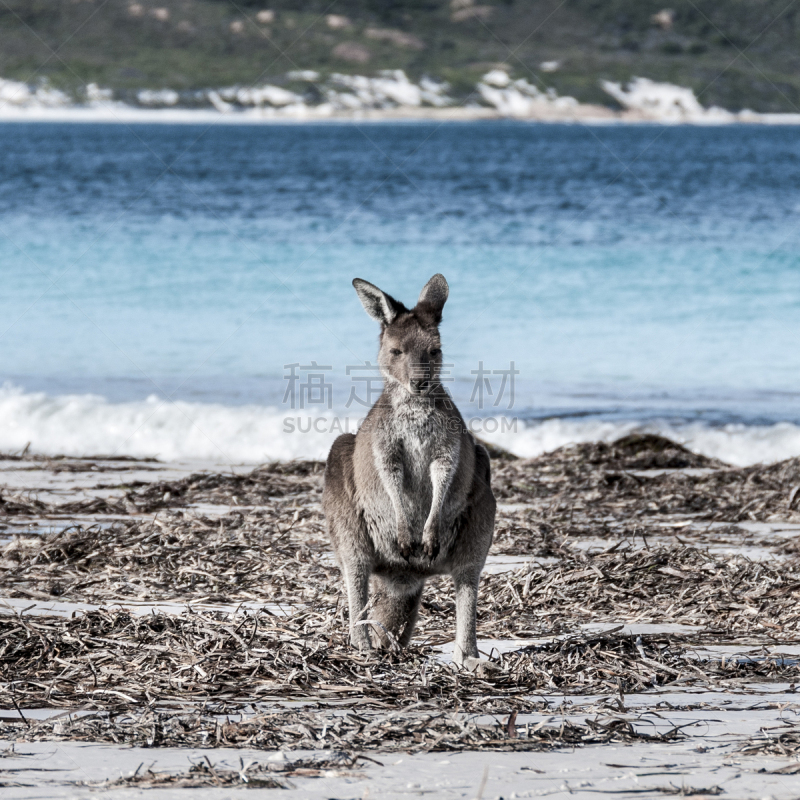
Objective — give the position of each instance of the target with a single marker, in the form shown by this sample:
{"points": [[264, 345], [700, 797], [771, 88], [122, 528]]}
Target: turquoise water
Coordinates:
{"points": [[633, 275]]}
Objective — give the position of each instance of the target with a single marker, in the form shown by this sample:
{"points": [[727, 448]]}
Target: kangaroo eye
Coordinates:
{"points": [[396, 352], [436, 351]]}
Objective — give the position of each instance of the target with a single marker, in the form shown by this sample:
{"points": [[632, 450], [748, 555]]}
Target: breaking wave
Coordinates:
{"points": [[86, 424]]}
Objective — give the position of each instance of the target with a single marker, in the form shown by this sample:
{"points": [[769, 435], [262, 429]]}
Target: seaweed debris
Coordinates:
{"points": [[591, 482], [417, 728], [110, 659], [782, 740], [277, 479], [585, 483], [250, 774], [280, 556]]}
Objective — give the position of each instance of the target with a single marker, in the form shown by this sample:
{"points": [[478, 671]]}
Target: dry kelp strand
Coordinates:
{"points": [[780, 740], [250, 774], [414, 729]]}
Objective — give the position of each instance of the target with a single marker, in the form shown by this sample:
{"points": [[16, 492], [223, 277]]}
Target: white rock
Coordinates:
{"points": [[434, 93], [496, 77], [664, 101], [520, 98], [344, 101], [527, 88], [95, 95], [16, 94], [218, 103], [271, 95], [158, 97], [397, 87], [392, 88]]}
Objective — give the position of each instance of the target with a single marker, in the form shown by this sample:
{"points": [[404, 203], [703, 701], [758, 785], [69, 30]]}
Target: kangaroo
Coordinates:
{"points": [[409, 495]]}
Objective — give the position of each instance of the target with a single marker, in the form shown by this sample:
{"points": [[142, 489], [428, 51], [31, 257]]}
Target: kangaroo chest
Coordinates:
{"points": [[415, 437]]}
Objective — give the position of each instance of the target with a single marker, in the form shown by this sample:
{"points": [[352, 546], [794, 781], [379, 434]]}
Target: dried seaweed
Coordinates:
{"points": [[107, 659], [251, 774], [62, 463], [586, 481], [264, 555], [18, 503], [278, 479], [673, 584], [636, 451], [254, 558], [780, 741], [413, 729]]}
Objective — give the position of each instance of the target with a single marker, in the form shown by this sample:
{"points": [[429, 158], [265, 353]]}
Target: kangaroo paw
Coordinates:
{"points": [[430, 546], [360, 639], [430, 541], [404, 544]]}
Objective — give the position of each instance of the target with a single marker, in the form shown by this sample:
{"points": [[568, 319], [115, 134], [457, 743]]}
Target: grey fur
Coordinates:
{"points": [[409, 495]]}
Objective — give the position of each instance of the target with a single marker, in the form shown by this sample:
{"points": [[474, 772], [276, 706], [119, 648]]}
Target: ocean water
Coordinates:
{"points": [[158, 282]]}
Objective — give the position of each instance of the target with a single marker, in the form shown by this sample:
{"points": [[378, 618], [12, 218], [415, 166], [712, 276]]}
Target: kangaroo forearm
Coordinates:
{"points": [[442, 472], [391, 475]]}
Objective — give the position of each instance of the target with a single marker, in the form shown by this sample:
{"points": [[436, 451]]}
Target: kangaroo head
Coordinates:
{"points": [[410, 350]]}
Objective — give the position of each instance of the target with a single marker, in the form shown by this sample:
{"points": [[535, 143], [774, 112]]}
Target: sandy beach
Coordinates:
{"points": [[170, 625]]}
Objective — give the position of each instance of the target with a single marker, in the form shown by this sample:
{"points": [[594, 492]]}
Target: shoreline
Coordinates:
{"points": [[577, 115], [389, 97]]}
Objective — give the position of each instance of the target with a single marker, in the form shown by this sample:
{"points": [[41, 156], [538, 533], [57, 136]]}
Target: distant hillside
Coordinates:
{"points": [[570, 46]]}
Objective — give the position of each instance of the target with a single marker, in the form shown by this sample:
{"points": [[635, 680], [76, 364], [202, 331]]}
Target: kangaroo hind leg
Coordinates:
{"points": [[396, 609]]}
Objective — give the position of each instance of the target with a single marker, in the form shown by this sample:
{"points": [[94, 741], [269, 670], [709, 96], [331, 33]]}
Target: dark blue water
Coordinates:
{"points": [[629, 272]]}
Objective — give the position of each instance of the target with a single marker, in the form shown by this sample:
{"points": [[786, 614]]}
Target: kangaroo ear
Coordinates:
{"points": [[379, 305], [434, 295]]}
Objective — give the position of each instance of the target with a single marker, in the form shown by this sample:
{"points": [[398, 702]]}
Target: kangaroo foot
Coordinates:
{"points": [[360, 638], [480, 666]]}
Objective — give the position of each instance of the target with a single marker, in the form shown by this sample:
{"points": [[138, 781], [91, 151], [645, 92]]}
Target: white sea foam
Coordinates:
{"points": [[89, 424]]}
